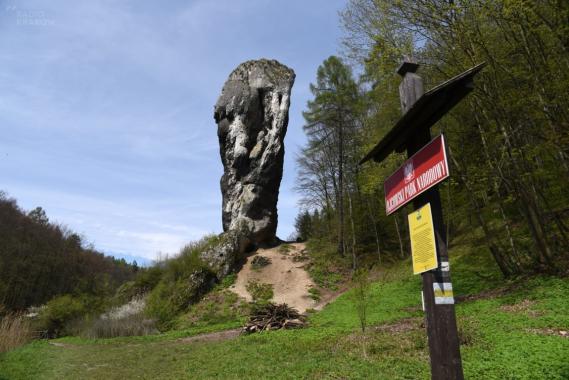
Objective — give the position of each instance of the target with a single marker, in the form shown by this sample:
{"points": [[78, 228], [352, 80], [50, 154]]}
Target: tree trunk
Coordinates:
{"points": [[401, 249], [354, 258], [494, 248], [376, 232], [341, 243]]}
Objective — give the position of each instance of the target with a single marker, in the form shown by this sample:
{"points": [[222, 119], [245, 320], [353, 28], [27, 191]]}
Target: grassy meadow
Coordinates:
{"points": [[508, 330]]}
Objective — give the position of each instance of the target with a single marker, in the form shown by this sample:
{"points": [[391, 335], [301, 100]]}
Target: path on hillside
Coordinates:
{"points": [[216, 336], [286, 273]]}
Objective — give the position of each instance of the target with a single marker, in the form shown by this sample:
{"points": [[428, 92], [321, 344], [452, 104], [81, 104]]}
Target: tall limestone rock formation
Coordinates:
{"points": [[252, 118]]}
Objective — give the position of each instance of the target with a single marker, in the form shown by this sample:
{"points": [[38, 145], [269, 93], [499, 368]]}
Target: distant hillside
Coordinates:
{"points": [[39, 260]]}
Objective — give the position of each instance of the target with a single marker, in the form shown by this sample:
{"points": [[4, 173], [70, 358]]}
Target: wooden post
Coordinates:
{"points": [[444, 346]]}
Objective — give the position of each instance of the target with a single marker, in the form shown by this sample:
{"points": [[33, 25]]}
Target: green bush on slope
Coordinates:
{"points": [[184, 280], [60, 312]]}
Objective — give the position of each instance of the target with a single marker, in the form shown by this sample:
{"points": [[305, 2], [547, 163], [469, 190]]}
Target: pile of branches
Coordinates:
{"points": [[273, 317]]}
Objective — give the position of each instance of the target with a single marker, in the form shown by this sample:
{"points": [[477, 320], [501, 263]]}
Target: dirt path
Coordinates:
{"points": [[289, 278], [212, 337]]}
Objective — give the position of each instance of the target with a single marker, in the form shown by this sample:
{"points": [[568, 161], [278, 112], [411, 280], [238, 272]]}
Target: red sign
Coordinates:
{"points": [[420, 172]]}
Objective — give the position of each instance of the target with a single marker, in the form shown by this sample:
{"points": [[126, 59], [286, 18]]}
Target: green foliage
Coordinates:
{"points": [[303, 225], [259, 262], [284, 249], [164, 305], [60, 312], [145, 280], [40, 260], [508, 141], [314, 293], [360, 295], [228, 281], [183, 280], [260, 293], [326, 268], [218, 307], [171, 297], [39, 216], [509, 183], [328, 160]]}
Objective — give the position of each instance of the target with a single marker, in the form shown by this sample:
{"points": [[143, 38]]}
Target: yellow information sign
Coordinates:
{"points": [[423, 245]]}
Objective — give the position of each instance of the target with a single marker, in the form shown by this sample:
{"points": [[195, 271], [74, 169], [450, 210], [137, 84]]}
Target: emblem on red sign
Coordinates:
{"points": [[409, 172], [420, 172]]}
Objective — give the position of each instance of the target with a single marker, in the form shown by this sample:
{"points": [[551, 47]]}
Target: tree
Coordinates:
{"points": [[303, 225], [329, 126], [39, 216], [40, 260], [510, 139]]}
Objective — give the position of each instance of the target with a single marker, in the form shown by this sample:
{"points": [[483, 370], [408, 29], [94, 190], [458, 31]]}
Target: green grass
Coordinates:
{"points": [[219, 307], [284, 249], [314, 293], [326, 268], [501, 336]]}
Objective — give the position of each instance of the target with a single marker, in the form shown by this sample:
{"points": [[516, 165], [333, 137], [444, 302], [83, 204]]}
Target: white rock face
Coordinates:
{"points": [[252, 118]]}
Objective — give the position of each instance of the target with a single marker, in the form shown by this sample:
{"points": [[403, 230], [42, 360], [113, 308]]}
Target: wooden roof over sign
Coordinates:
{"points": [[426, 111]]}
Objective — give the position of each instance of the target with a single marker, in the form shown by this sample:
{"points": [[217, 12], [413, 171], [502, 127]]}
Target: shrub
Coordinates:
{"points": [[314, 293], [260, 293], [219, 306], [259, 262], [127, 319], [184, 280], [59, 312], [145, 280], [284, 249], [228, 281], [130, 325], [166, 301], [360, 295], [326, 268], [14, 331]]}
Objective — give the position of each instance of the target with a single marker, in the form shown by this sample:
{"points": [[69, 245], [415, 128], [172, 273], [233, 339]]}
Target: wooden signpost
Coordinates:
{"points": [[416, 181]]}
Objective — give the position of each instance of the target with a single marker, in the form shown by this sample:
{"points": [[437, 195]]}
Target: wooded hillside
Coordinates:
{"points": [[40, 260], [509, 140]]}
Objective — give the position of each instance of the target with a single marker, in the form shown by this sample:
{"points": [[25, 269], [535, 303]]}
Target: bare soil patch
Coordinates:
{"points": [[525, 305], [402, 325], [63, 345], [285, 273], [212, 337], [555, 332]]}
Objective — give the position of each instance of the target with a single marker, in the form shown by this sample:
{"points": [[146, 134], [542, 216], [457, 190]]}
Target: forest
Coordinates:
{"points": [[40, 260], [508, 140]]}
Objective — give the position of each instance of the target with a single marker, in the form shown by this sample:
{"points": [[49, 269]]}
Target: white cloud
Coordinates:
{"points": [[102, 221], [107, 114]]}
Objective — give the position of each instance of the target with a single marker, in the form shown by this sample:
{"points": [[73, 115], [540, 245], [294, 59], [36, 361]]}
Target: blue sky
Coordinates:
{"points": [[106, 109]]}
